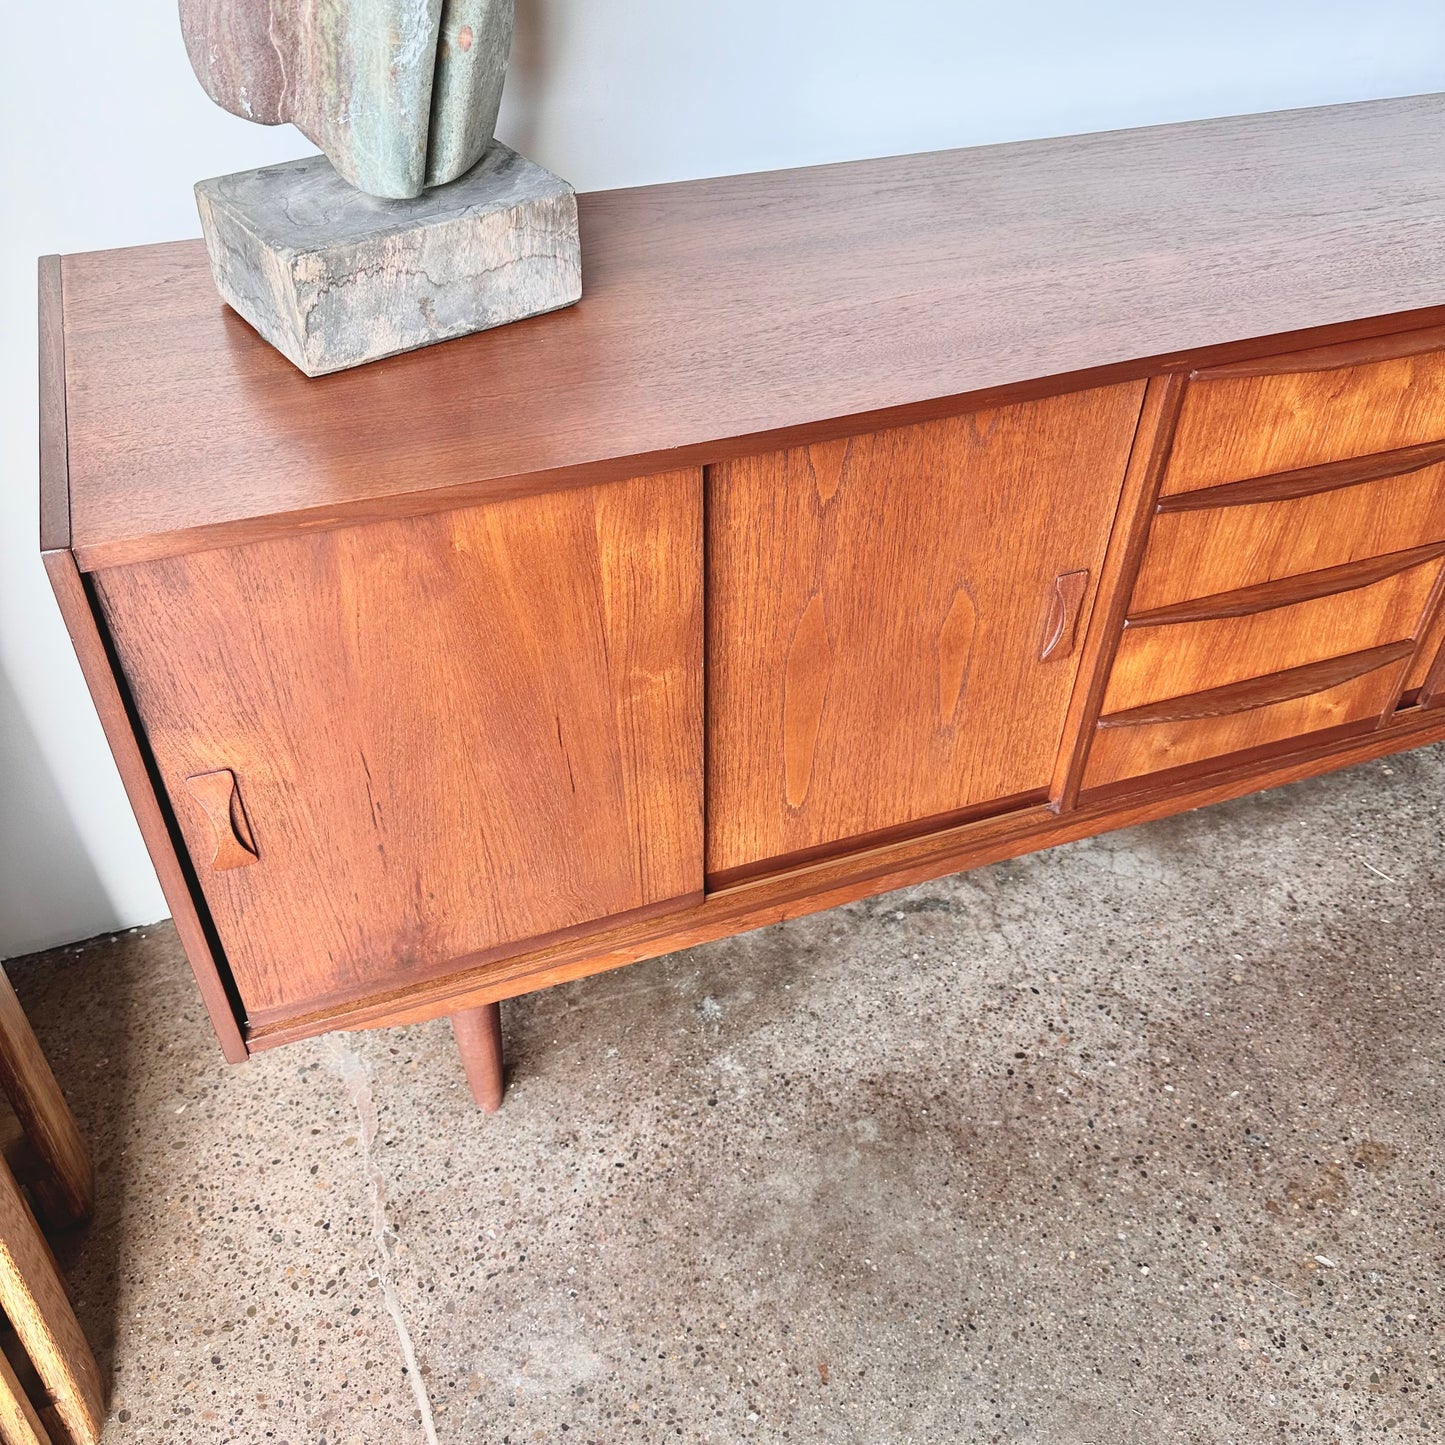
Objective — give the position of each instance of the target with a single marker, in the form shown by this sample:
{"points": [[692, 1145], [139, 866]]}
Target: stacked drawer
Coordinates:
{"points": [[1293, 565]]}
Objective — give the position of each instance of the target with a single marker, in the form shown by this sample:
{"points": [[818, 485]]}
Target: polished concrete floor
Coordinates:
{"points": [[1140, 1140]]}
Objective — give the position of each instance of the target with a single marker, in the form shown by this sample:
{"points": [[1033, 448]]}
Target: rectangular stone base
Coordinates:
{"points": [[332, 277]]}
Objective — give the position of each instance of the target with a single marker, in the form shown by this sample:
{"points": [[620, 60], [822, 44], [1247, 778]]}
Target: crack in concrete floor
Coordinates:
{"points": [[353, 1072]]}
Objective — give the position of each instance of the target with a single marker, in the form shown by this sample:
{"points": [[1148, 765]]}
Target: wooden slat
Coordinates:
{"points": [[742, 314], [33, 1298], [25, 1076], [19, 1424], [1284, 591]]}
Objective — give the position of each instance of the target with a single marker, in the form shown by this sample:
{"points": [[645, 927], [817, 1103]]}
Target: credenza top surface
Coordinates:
{"points": [[748, 307]]}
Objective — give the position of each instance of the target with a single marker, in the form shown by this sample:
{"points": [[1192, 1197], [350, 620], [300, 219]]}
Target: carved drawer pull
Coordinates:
{"points": [[1266, 691], [1069, 589], [220, 800]]}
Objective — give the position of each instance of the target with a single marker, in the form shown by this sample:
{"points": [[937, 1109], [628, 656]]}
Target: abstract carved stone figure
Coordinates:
{"points": [[399, 94], [421, 228]]}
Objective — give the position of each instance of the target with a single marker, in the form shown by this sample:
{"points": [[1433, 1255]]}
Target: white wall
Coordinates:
{"points": [[104, 131]]}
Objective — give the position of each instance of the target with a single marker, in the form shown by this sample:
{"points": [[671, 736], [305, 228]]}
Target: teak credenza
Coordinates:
{"points": [[862, 524]]}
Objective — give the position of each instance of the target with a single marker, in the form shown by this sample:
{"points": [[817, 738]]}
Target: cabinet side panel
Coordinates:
{"points": [[396, 745]]}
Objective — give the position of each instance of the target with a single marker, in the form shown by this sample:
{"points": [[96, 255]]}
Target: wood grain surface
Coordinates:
{"points": [[826, 884], [1306, 481], [746, 313], [1200, 552], [1162, 398], [878, 611], [109, 693], [33, 1297], [19, 1422], [1283, 707], [1285, 591], [1153, 663], [1262, 692], [449, 732], [54, 431], [65, 1191], [478, 1032], [415, 766], [1328, 406], [1429, 658], [1432, 689]]}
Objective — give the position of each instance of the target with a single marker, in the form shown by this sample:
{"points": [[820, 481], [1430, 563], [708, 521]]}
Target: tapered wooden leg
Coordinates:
{"points": [[479, 1040]]}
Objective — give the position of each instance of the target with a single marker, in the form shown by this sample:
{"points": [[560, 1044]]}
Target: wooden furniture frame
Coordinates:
{"points": [[65, 1399], [862, 524]]}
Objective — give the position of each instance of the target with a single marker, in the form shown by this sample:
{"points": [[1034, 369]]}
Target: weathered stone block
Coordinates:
{"points": [[333, 278]]}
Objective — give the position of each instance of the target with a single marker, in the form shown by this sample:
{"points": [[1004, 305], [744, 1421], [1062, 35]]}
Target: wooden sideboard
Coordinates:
{"points": [[861, 524]]}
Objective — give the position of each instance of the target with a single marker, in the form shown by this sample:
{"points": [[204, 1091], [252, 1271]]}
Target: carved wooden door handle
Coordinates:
{"points": [[1063, 623], [220, 801]]}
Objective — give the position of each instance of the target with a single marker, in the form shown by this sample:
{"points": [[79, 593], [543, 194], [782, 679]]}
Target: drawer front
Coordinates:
{"points": [[1309, 409], [1176, 658], [1255, 535], [1233, 720], [394, 746]]}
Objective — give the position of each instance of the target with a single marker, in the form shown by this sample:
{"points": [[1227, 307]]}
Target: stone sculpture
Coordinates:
{"points": [[421, 228], [399, 94]]}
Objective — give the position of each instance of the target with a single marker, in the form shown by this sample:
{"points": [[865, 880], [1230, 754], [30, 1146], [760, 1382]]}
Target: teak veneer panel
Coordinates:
{"points": [[447, 733], [162, 838], [812, 887], [1151, 747], [1175, 659], [1324, 406], [1218, 549], [1261, 692], [747, 313], [1284, 591], [893, 621]]}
